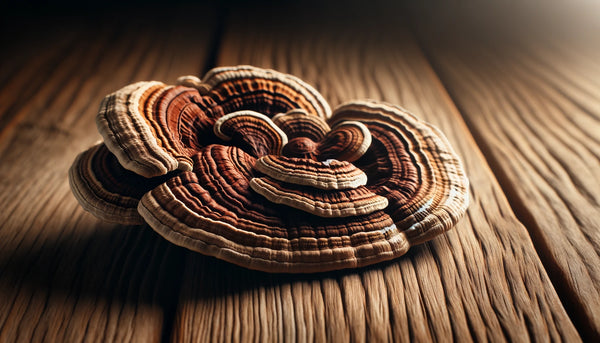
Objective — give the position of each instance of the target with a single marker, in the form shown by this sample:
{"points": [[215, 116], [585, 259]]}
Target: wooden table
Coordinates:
{"points": [[516, 90]]}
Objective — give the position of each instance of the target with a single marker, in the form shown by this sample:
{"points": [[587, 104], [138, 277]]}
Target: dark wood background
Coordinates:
{"points": [[515, 87]]}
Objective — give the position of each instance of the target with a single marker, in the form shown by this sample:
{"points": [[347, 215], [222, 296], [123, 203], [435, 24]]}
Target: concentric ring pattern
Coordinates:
{"points": [[251, 166]]}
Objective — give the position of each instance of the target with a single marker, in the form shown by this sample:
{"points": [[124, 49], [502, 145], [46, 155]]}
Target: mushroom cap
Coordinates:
{"points": [[338, 203], [284, 92], [214, 211], [347, 141], [252, 130], [205, 163], [106, 189], [298, 123], [310, 137], [413, 165], [327, 175], [153, 128]]}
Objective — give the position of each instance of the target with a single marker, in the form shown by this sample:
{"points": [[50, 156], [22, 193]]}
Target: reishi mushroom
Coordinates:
{"points": [[250, 166]]}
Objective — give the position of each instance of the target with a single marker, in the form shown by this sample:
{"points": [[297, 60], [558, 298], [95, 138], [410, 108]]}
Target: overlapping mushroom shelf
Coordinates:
{"points": [[251, 166]]}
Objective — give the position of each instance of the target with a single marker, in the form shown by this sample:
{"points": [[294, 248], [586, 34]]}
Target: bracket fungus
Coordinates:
{"points": [[251, 166]]}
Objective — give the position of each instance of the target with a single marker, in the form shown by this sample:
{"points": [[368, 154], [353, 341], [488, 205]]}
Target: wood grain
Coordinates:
{"points": [[481, 281], [66, 276], [532, 107], [532, 103]]}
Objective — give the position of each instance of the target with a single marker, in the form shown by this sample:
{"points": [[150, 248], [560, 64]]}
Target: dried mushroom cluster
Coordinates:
{"points": [[250, 166]]}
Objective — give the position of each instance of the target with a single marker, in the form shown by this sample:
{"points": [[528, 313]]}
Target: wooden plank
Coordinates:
{"points": [[532, 102], [36, 58], [481, 281], [66, 276]]}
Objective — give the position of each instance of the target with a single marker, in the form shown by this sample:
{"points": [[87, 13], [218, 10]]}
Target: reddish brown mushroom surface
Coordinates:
{"points": [[250, 166]]}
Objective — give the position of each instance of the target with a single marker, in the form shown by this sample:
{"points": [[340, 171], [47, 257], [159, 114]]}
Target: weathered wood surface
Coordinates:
{"points": [[483, 280], [65, 276], [532, 100]]}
